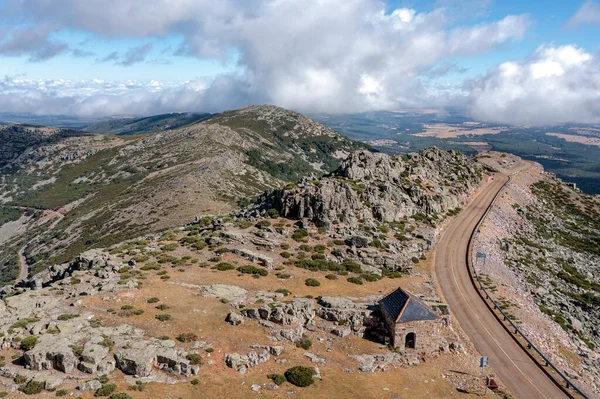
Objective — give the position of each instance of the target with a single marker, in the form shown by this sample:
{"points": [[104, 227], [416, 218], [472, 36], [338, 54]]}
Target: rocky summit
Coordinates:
{"points": [[376, 188]]}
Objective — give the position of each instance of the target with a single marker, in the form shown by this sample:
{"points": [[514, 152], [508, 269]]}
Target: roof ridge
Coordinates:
{"points": [[405, 304]]}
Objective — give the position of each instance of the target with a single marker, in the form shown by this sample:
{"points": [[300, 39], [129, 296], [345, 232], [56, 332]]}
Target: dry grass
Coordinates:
{"points": [[446, 131], [573, 138], [205, 318]]}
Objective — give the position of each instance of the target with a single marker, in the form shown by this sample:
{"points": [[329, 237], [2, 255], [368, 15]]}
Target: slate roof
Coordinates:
{"points": [[402, 306]]}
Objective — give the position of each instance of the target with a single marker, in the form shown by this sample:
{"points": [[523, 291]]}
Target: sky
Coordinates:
{"points": [[530, 63]]}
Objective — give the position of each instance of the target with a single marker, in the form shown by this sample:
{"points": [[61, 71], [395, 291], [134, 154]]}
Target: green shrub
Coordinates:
{"points": [[370, 277], [23, 323], [283, 291], [209, 350], [285, 255], [20, 379], [331, 277], [415, 259], [285, 246], [300, 376], [304, 343], [355, 280], [187, 337], [194, 358], [28, 343], [150, 266], [138, 312], [153, 300], [32, 387], [67, 316], [351, 266], [221, 250], [311, 282], [278, 379], [263, 223], [77, 350], [163, 317], [121, 395], [320, 248], [169, 247], [272, 213], [62, 392], [106, 389], [195, 381], [162, 306], [244, 224], [223, 266], [126, 307], [138, 386], [251, 269], [300, 235], [3, 394]]}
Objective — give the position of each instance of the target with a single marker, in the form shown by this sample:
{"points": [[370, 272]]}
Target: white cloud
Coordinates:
{"points": [[589, 13], [553, 85], [309, 55]]}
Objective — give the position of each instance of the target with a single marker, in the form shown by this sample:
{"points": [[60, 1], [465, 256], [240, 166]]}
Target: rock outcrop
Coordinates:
{"points": [[376, 187]]}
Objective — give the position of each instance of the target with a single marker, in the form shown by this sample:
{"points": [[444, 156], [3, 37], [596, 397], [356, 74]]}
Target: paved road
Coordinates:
{"points": [[23, 267], [520, 374]]}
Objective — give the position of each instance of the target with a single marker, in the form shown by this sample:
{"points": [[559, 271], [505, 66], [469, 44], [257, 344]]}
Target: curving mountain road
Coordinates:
{"points": [[515, 368]]}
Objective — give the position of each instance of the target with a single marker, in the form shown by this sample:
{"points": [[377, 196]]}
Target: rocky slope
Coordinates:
{"points": [[542, 265], [111, 188], [375, 188]]}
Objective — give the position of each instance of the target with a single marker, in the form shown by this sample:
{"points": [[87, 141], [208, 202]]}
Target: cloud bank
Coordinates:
{"points": [[553, 85], [311, 55]]}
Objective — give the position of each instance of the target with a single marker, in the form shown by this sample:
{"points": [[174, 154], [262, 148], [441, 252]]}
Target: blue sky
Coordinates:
{"points": [[122, 57]]}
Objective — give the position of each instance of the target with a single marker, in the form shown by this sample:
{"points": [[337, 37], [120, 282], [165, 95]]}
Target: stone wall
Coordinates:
{"points": [[427, 335]]}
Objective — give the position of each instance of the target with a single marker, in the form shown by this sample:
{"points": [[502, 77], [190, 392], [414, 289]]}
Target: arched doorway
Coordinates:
{"points": [[410, 341]]}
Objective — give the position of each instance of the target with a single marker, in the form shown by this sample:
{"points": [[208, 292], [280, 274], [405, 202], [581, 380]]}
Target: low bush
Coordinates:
{"points": [[304, 343], [106, 389], [283, 291], [251, 269], [300, 235], [278, 379], [163, 317], [311, 282], [223, 266], [28, 343], [272, 213], [187, 337], [300, 376], [153, 300], [67, 316], [121, 395], [32, 387], [194, 358]]}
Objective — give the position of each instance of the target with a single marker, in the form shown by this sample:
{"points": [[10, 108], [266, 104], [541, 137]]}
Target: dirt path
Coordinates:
{"points": [[514, 367], [23, 267]]}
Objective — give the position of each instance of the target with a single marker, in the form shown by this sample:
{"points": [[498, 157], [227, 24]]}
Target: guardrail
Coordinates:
{"points": [[567, 384]]}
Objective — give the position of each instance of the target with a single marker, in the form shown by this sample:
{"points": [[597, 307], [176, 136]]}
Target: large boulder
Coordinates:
{"points": [[48, 354], [136, 361]]}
